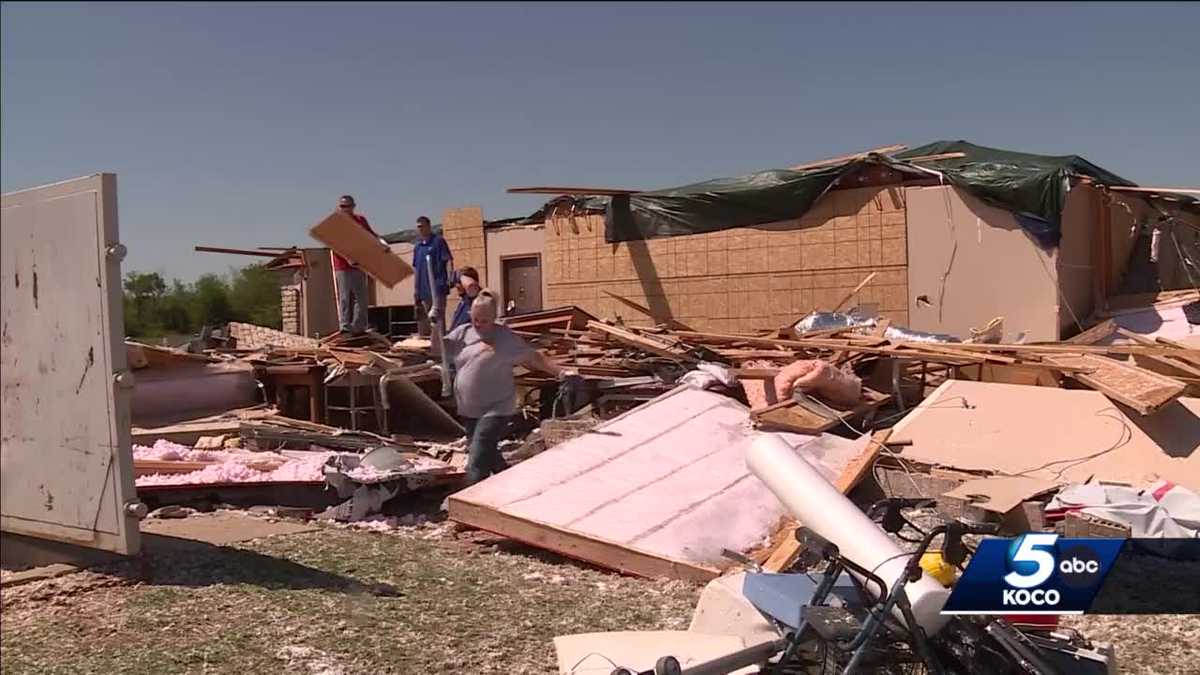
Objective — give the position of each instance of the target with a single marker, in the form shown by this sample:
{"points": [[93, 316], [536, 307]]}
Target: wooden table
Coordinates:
{"points": [[282, 378]]}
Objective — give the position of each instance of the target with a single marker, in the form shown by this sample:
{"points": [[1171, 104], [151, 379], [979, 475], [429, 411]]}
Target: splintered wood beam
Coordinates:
{"points": [[1181, 191], [1094, 334], [642, 342], [850, 296], [785, 555], [934, 158], [235, 251], [567, 190], [885, 150], [1143, 390], [645, 310]]}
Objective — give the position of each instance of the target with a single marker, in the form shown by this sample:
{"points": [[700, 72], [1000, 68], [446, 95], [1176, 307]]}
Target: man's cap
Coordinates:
{"points": [[346, 200]]}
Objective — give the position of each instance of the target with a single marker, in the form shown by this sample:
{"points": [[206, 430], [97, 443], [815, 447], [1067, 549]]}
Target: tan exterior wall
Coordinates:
{"points": [[317, 294], [987, 265], [507, 242], [401, 294], [463, 230], [741, 279]]}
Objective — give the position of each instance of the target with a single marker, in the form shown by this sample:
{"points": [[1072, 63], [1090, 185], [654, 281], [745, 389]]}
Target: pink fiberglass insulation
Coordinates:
{"points": [[232, 468], [164, 450], [819, 377]]}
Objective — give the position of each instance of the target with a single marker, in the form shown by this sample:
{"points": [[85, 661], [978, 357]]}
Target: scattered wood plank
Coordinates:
{"points": [[850, 296], [643, 342], [150, 467], [793, 417], [588, 549], [785, 555], [236, 251], [566, 190], [884, 150], [934, 158], [1130, 188], [1094, 334], [352, 241], [1143, 390], [645, 310]]}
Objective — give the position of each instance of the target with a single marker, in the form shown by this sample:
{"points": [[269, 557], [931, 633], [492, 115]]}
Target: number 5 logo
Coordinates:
{"points": [[1031, 560]]}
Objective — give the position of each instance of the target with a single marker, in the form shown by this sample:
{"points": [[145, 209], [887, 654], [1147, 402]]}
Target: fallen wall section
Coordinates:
{"points": [[657, 492]]}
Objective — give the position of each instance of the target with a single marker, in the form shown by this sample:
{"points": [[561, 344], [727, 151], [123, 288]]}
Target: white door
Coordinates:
{"points": [[66, 466]]}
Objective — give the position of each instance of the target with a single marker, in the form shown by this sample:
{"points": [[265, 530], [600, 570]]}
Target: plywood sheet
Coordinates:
{"points": [[1000, 494], [1143, 390], [344, 235], [1054, 434], [665, 482]]}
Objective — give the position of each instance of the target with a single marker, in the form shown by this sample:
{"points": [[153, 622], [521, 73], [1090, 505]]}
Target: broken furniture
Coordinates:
{"points": [[284, 380], [353, 401]]}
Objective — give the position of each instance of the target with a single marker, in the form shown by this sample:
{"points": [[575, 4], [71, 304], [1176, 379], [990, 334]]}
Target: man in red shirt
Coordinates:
{"points": [[351, 280]]}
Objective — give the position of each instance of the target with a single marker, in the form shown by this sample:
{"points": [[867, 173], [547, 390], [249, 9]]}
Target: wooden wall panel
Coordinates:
{"points": [[742, 279]]}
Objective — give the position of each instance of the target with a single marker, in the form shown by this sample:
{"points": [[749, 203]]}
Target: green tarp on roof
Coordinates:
{"points": [[1033, 187]]}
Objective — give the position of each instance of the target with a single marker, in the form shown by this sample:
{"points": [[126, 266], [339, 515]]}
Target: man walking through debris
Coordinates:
{"points": [[430, 303], [351, 280], [484, 353]]}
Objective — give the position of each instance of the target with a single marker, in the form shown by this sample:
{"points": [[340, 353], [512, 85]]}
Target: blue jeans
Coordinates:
{"points": [[483, 445]]}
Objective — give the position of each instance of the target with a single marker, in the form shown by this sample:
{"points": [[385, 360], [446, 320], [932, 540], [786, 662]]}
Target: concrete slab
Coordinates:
{"points": [[222, 527]]}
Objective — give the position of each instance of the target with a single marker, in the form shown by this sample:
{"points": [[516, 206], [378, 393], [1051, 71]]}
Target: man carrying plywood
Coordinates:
{"points": [[351, 280]]}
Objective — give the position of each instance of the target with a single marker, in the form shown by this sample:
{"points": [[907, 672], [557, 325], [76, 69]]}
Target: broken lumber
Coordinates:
{"points": [[642, 342], [1143, 390], [785, 555], [850, 296], [646, 310]]}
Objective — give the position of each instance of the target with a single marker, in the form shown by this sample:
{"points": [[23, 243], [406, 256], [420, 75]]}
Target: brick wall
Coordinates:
{"points": [[742, 279], [249, 336], [463, 230], [289, 302]]}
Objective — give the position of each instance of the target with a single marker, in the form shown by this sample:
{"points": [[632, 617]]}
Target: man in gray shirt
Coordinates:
{"points": [[484, 354]]}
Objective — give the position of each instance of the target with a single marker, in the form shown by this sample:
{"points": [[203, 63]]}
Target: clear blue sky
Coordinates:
{"points": [[240, 124]]}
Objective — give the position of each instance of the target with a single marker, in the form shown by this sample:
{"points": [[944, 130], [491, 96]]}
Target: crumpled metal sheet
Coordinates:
{"points": [[817, 321], [830, 320]]}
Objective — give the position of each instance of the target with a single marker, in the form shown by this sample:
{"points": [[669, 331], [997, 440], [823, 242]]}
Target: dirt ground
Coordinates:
{"points": [[341, 602]]}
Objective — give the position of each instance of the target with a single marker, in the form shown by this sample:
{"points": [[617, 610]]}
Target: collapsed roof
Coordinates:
{"points": [[1033, 187]]}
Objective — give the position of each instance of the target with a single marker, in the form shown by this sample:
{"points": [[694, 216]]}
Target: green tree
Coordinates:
{"points": [[153, 309], [210, 302], [254, 294]]}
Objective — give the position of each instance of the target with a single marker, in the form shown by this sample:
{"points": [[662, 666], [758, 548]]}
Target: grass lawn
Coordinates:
{"points": [[332, 602]]}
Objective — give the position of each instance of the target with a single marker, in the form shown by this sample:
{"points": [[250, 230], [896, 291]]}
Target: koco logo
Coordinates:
{"points": [[1032, 561]]}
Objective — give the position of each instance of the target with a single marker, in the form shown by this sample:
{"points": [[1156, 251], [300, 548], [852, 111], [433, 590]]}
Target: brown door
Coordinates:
{"points": [[522, 284]]}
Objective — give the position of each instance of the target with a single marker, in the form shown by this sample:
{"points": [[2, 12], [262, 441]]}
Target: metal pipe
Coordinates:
{"points": [[740, 659]]}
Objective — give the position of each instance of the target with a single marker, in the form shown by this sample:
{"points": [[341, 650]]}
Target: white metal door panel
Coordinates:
{"points": [[66, 466]]}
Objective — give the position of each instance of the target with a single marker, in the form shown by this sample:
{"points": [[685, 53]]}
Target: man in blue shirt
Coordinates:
{"points": [[430, 303], [468, 289]]}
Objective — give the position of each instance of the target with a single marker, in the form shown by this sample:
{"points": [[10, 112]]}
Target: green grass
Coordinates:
{"points": [[312, 603]]}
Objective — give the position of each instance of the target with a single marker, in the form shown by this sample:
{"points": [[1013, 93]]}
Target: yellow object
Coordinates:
{"points": [[936, 566]]}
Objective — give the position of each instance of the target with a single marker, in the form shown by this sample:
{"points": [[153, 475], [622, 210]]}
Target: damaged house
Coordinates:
{"points": [[954, 234]]}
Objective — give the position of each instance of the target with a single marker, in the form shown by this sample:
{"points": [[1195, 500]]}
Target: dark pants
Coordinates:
{"points": [[483, 446], [352, 300]]}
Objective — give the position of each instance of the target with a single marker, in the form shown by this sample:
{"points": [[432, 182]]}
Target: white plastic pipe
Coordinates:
{"points": [[821, 508]]}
